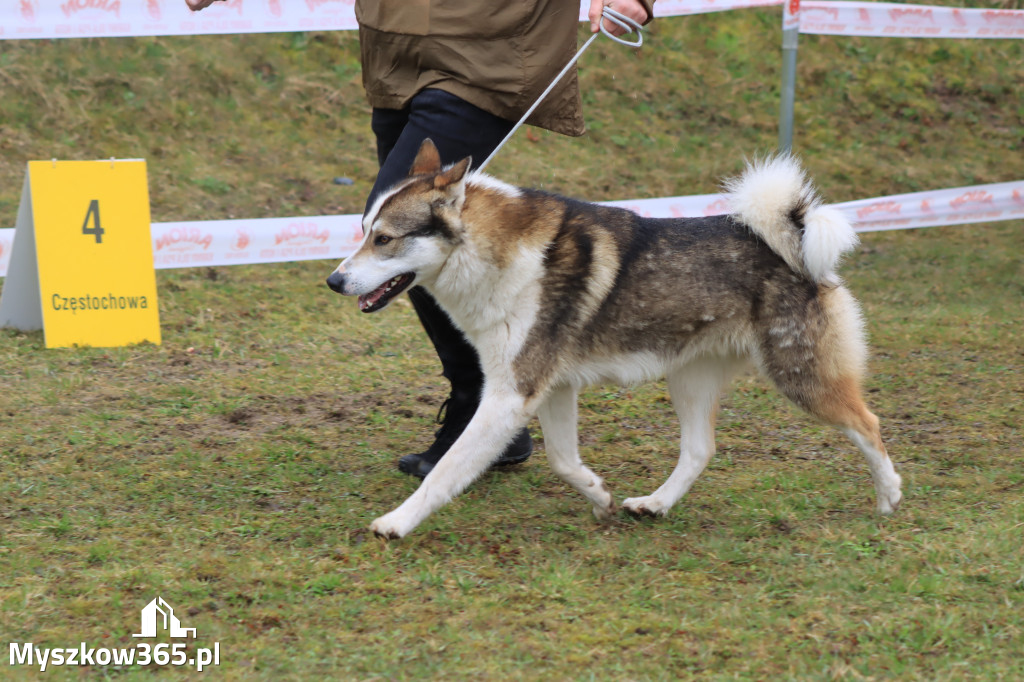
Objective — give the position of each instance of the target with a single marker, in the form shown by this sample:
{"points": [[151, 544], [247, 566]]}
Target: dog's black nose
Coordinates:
{"points": [[336, 281]]}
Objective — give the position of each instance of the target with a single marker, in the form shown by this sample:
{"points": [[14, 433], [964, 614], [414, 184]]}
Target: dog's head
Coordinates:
{"points": [[407, 234]]}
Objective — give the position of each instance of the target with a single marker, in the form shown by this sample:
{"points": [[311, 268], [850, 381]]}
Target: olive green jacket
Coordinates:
{"points": [[499, 55]]}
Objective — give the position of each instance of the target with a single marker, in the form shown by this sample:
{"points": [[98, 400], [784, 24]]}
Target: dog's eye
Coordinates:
{"points": [[381, 240]]}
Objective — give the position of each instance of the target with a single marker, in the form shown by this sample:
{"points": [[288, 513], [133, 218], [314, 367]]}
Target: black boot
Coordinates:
{"points": [[453, 421], [462, 368], [453, 417]]}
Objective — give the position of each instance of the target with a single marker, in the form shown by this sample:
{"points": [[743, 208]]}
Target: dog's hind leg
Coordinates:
{"points": [[816, 361], [838, 402], [558, 420], [695, 391], [864, 432]]}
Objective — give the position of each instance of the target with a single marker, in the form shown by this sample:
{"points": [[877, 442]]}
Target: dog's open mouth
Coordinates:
{"points": [[382, 295]]}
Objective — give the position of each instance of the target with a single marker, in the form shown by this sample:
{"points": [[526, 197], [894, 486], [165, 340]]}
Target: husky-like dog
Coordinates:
{"points": [[557, 294]]}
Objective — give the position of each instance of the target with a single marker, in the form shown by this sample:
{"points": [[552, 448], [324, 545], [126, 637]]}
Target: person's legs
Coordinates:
{"points": [[387, 126], [458, 129]]}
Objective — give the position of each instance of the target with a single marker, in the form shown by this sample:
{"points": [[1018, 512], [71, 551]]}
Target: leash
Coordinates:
{"points": [[609, 14]]}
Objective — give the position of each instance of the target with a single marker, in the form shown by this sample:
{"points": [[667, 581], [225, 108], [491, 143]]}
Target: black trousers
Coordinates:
{"points": [[458, 129]]}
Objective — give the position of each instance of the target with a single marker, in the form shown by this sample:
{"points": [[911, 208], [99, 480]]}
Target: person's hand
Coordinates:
{"points": [[630, 8], [196, 5]]}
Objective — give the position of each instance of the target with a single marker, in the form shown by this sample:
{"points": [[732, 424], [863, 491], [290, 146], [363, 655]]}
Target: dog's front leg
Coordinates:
{"points": [[500, 415]]}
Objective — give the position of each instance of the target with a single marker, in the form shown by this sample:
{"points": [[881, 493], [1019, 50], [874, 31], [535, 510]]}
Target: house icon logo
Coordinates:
{"points": [[157, 615]]}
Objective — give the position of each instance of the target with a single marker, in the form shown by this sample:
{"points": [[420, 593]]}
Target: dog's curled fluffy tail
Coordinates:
{"points": [[776, 201]]}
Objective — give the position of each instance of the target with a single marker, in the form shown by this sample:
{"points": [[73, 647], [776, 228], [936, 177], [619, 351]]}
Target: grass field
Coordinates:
{"points": [[233, 469]]}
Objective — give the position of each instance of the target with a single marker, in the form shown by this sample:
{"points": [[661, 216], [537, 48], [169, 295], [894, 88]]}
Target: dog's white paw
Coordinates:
{"points": [[388, 527], [645, 506], [889, 501], [889, 495], [602, 500], [607, 512]]}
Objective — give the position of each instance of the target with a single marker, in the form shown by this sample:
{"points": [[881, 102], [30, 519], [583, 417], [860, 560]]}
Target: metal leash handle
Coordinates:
{"points": [[622, 21], [609, 14]]}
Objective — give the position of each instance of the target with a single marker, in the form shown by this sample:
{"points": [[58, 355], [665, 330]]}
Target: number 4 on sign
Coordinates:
{"points": [[94, 216], [99, 290]]}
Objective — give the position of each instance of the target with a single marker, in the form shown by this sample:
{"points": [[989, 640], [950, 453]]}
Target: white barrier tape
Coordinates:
{"points": [[679, 8], [268, 240], [958, 206], [39, 19], [961, 206], [279, 240], [883, 19], [120, 18]]}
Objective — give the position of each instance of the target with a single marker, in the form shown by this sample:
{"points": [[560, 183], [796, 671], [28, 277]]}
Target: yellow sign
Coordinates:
{"points": [[82, 261]]}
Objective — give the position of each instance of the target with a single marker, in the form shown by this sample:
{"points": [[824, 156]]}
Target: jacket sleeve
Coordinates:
{"points": [[649, 6]]}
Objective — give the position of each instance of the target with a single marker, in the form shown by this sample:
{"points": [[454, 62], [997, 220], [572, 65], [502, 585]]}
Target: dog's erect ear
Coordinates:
{"points": [[427, 160], [453, 175]]}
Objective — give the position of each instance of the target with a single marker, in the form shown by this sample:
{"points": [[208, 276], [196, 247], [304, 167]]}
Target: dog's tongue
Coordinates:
{"points": [[371, 299]]}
